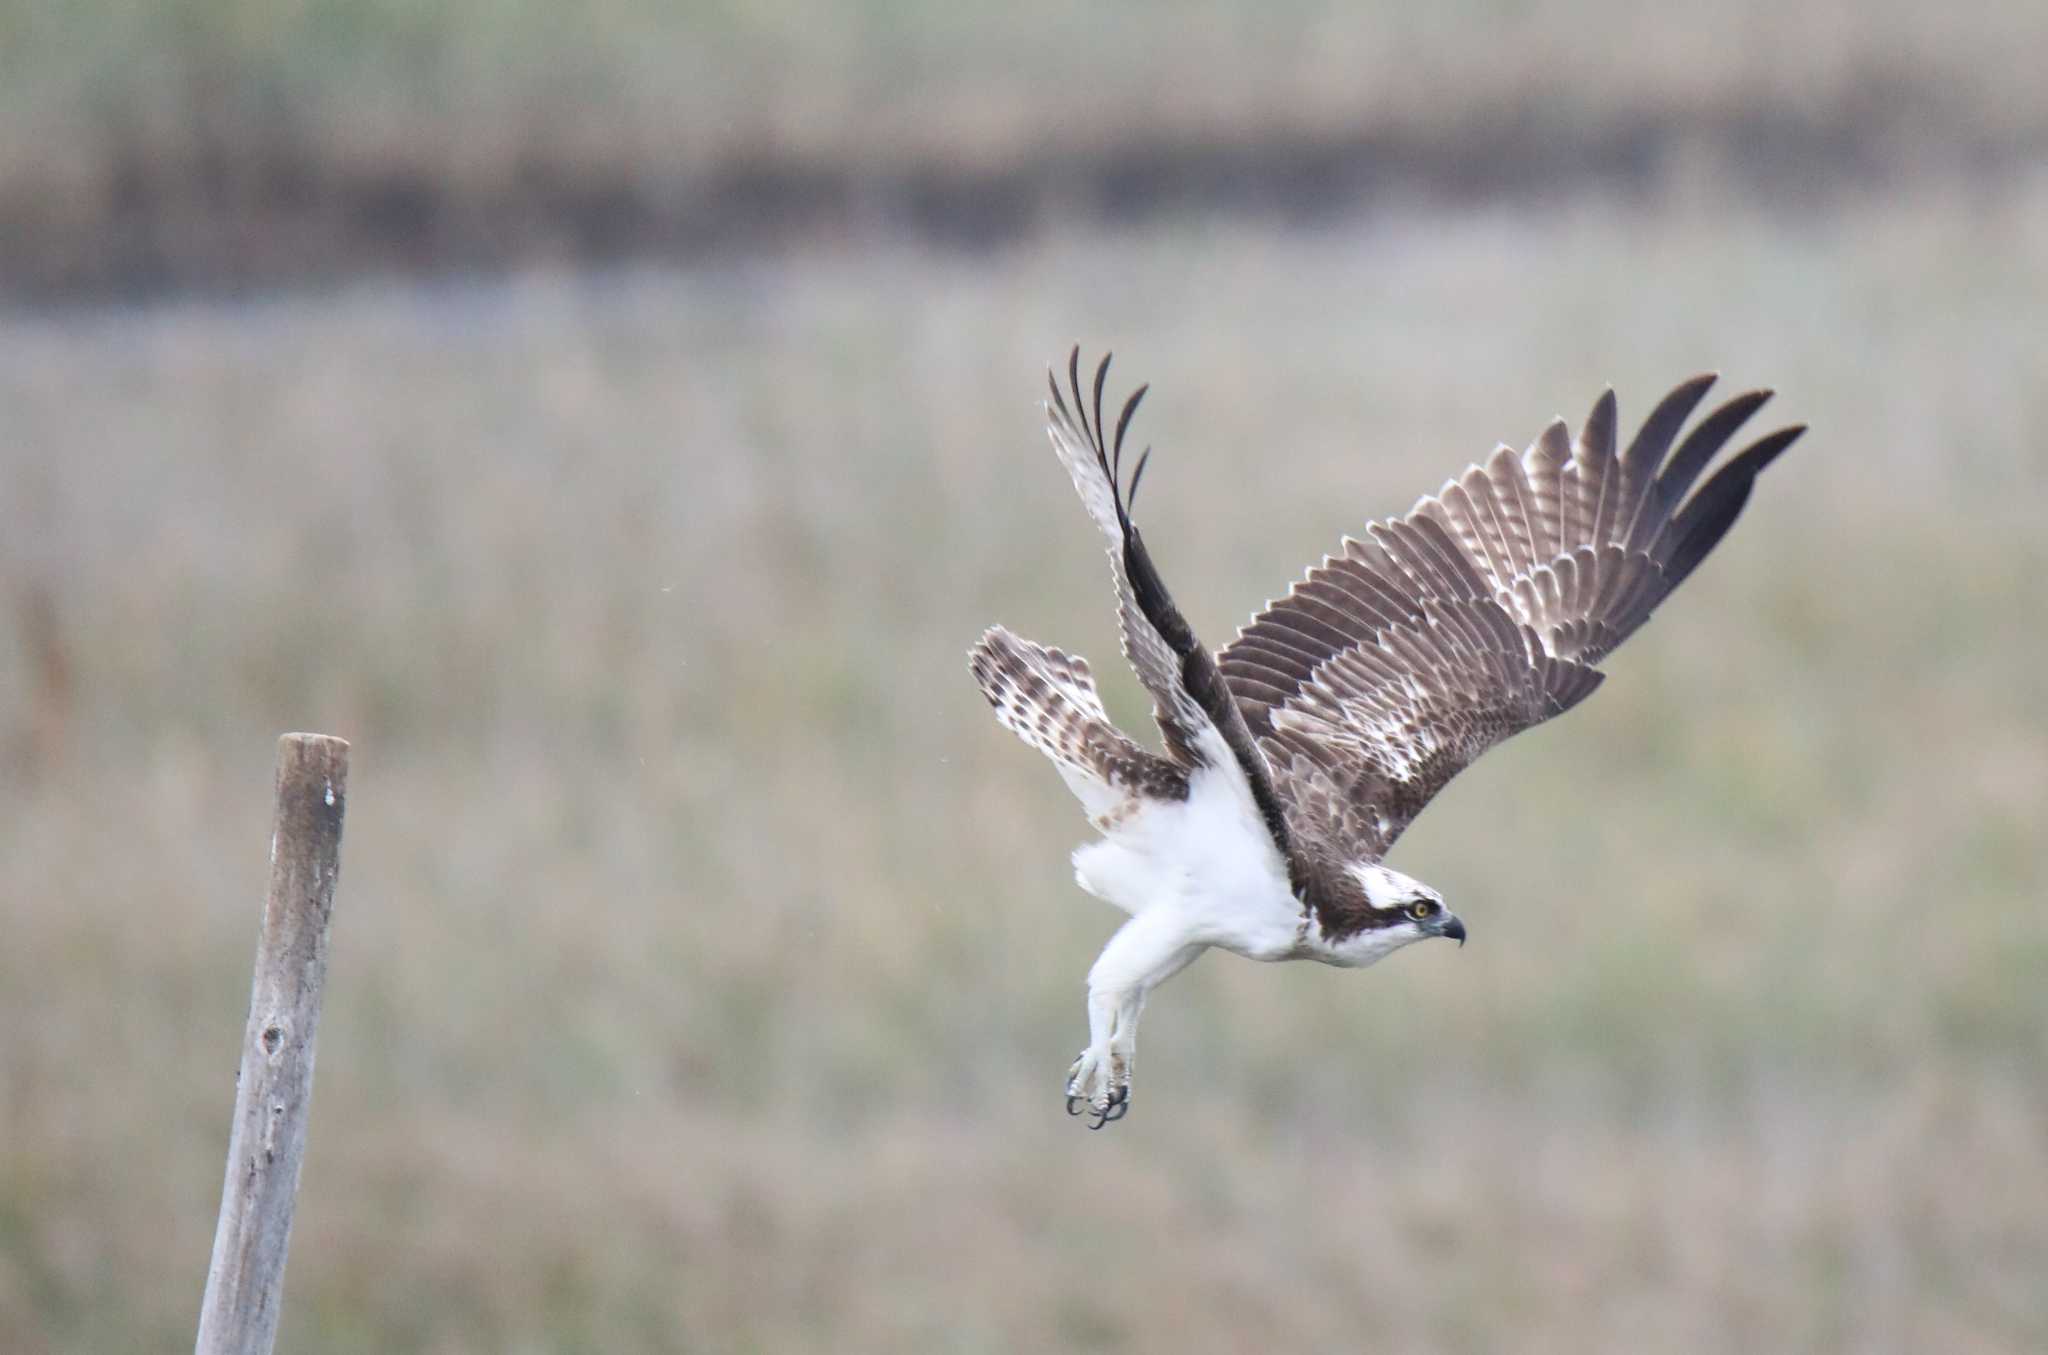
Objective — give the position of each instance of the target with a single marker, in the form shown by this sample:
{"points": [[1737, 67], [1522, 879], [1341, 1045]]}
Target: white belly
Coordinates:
{"points": [[1210, 859]]}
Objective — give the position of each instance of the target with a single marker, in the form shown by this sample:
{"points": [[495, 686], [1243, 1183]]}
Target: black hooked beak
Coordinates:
{"points": [[1453, 928]]}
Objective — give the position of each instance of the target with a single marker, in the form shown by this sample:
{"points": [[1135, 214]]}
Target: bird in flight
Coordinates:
{"points": [[1296, 756]]}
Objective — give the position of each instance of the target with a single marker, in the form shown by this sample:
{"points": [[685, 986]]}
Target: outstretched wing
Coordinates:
{"points": [[1403, 657], [1189, 698]]}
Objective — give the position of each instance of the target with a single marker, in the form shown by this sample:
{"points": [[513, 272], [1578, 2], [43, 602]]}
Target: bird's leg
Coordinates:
{"points": [[1090, 1068], [1123, 1043], [1100, 1080], [1146, 951]]}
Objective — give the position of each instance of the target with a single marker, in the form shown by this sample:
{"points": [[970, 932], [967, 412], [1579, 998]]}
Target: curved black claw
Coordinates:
{"points": [[1118, 1107], [1070, 1105]]}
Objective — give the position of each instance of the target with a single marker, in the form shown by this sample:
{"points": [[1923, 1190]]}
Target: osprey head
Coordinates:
{"points": [[1399, 909]]}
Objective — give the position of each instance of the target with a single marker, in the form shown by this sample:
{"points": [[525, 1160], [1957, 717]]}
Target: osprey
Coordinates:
{"points": [[1296, 756]]}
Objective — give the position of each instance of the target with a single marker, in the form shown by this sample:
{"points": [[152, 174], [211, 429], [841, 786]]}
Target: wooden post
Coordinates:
{"points": [[274, 1089]]}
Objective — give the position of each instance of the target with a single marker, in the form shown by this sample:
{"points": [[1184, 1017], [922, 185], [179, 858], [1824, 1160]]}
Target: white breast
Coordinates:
{"points": [[1208, 857]]}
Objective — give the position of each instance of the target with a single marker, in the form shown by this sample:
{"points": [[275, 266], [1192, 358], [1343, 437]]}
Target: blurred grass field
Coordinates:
{"points": [[706, 961], [256, 143], [706, 964], [469, 84]]}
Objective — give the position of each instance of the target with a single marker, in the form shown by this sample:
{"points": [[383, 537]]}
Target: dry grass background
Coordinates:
{"points": [[706, 961], [473, 88], [256, 142]]}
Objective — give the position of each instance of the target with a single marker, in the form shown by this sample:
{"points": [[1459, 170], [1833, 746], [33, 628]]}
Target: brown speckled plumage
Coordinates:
{"points": [[1350, 702], [1296, 756]]}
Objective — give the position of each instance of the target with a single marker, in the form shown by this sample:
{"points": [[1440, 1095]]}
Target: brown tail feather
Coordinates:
{"points": [[1047, 698]]}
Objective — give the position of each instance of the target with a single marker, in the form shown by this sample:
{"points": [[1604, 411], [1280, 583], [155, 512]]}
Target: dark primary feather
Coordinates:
{"points": [[1402, 658], [1709, 514]]}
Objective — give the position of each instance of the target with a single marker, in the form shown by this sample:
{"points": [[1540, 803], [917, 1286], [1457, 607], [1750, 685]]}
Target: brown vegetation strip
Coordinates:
{"points": [[267, 211]]}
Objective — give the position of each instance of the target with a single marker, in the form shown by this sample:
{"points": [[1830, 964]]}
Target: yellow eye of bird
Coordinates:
{"points": [[1420, 910]]}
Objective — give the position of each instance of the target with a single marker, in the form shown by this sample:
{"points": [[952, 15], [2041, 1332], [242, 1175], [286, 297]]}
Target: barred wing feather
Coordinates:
{"points": [[1400, 659]]}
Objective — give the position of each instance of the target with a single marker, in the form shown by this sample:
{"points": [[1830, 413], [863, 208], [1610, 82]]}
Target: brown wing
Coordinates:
{"points": [[1189, 697], [1097, 478], [1398, 661]]}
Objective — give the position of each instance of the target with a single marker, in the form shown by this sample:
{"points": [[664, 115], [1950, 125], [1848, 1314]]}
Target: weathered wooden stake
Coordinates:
{"points": [[273, 1092]]}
